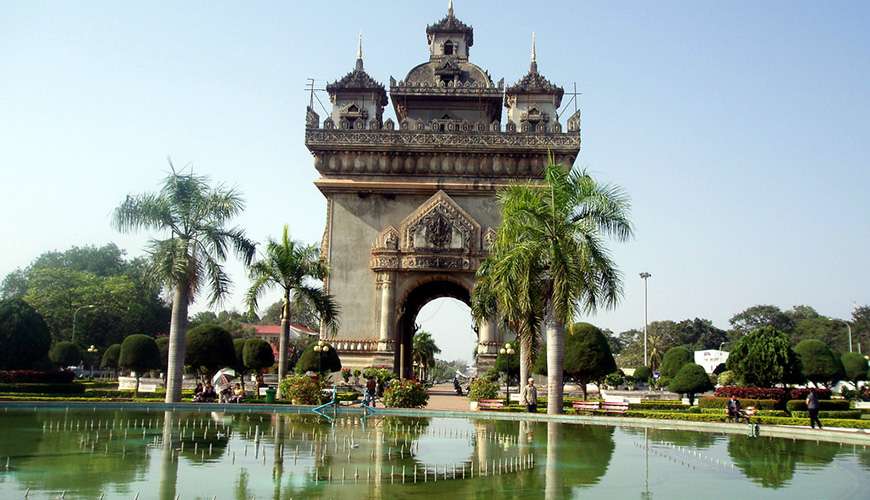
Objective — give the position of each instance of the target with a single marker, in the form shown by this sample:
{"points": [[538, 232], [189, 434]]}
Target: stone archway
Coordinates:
{"points": [[414, 301]]}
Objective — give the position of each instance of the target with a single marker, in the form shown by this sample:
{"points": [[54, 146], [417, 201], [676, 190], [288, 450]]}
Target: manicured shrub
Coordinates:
{"points": [[854, 367], [24, 335], [163, 347], [675, 358], [258, 355], [482, 388], [767, 413], [716, 402], [140, 354], [318, 362], [405, 394], [765, 420], [209, 348], [824, 404], [847, 414], [659, 405], [642, 374], [726, 378], [345, 375], [65, 354], [110, 357], [36, 377], [50, 388], [302, 390], [587, 355], [690, 380]]}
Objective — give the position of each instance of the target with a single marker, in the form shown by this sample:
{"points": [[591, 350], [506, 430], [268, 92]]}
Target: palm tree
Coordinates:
{"points": [[549, 255], [292, 266], [193, 217], [424, 351]]}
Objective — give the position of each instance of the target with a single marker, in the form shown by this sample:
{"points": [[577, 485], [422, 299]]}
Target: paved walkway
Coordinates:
{"points": [[443, 397]]}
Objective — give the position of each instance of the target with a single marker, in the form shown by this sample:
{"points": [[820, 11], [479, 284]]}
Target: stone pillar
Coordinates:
{"points": [[487, 346], [386, 283]]}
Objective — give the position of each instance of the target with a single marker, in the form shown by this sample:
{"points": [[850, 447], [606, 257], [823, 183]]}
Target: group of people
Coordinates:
{"points": [[207, 394]]}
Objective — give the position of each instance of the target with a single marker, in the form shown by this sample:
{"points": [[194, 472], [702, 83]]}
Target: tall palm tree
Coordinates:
{"points": [[192, 215], [424, 351], [494, 299], [550, 254], [293, 267]]}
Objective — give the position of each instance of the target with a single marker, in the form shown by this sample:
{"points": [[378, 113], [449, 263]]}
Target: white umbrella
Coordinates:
{"points": [[221, 379]]}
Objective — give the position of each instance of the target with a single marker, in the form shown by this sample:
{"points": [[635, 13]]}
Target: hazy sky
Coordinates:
{"points": [[740, 129]]}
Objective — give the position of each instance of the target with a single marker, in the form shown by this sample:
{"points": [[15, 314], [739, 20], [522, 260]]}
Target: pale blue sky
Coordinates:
{"points": [[740, 129]]}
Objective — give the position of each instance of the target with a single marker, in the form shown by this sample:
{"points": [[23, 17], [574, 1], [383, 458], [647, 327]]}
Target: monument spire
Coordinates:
{"points": [[359, 54], [450, 8], [533, 67]]}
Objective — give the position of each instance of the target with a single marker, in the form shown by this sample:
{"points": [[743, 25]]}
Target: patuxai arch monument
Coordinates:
{"points": [[411, 204]]}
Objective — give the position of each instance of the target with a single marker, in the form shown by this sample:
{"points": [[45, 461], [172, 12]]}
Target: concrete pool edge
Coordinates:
{"points": [[843, 436]]}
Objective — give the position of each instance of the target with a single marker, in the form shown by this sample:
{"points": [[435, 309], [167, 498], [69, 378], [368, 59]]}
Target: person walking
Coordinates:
{"points": [[371, 390], [733, 408], [529, 396], [813, 409]]}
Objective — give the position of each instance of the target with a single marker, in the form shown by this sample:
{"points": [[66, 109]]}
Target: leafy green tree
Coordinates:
{"points": [[195, 216], [446, 370], [763, 358], [423, 353], [661, 336], [699, 334], [209, 348], [509, 364], [832, 333], [587, 355], [642, 374], [674, 360], [318, 362], [140, 354], [257, 356], [861, 326], [14, 285], [111, 357], [854, 368], [239, 364], [302, 311], [232, 321], [291, 266], [758, 316], [819, 364], [802, 312], [24, 336], [64, 354], [690, 380], [550, 252]]}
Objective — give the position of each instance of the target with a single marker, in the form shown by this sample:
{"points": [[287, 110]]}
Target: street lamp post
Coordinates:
{"points": [[75, 316], [645, 276], [507, 350], [320, 348], [92, 350]]}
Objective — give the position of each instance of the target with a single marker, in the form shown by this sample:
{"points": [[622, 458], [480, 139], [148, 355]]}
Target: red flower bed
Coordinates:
{"points": [[802, 393], [36, 377], [776, 393]]}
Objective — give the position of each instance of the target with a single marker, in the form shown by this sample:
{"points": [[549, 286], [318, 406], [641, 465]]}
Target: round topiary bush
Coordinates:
{"points": [[482, 388], [302, 390], [674, 359], [318, 362], [257, 355], [209, 348], [405, 393], [140, 354], [690, 380], [726, 378], [65, 353], [110, 357], [24, 335], [642, 374]]}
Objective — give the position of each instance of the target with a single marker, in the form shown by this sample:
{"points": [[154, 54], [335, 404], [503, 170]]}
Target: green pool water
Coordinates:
{"points": [[121, 454]]}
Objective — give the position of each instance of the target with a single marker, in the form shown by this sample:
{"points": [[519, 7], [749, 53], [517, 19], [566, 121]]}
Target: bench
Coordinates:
{"points": [[490, 404], [586, 406], [615, 407]]}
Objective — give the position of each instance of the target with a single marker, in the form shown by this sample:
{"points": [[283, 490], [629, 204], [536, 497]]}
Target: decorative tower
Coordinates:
{"points": [[357, 99], [533, 101]]}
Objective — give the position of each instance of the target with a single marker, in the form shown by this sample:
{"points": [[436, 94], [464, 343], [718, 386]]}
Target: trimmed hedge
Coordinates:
{"points": [[36, 377], [710, 417], [57, 388], [766, 413], [777, 393], [659, 405], [665, 415], [760, 404], [824, 405], [846, 414]]}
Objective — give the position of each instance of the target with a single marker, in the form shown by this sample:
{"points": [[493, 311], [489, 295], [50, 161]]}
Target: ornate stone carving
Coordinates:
{"points": [[312, 119], [489, 239], [389, 124], [421, 137], [440, 224], [574, 122], [328, 124]]}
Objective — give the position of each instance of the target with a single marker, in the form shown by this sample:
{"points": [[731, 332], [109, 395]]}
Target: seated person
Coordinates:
{"points": [[732, 408], [208, 393], [197, 392], [746, 414], [238, 394]]}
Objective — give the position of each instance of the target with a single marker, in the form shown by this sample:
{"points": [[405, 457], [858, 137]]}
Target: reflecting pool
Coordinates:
{"points": [[78, 453]]}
